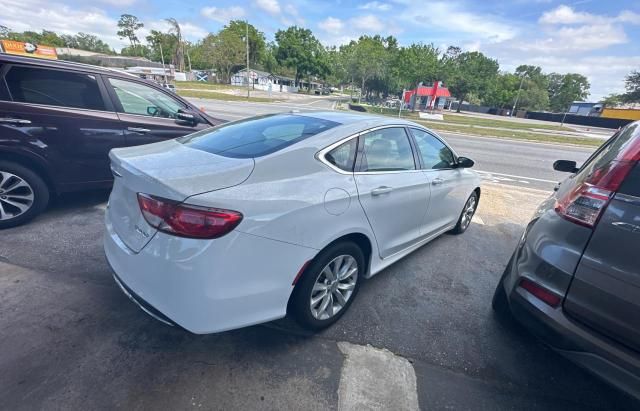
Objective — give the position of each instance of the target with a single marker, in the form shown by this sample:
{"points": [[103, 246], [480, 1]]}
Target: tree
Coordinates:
{"points": [[178, 56], [565, 89], [612, 100], [257, 43], [535, 88], [4, 32], [298, 49], [128, 25], [162, 45], [90, 42], [632, 84], [418, 63], [368, 59], [473, 73], [139, 50], [502, 91], [227, 51]]}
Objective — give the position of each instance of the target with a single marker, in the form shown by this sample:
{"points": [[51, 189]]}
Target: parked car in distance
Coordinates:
{"points": [[58, 121], [242, 223], [324, 90], [169, 87], [574, 278]]}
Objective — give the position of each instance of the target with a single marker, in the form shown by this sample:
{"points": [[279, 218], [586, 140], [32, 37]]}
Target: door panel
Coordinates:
{"points": [[449, 191], [149, 114], [394, 195], [65, 119]]}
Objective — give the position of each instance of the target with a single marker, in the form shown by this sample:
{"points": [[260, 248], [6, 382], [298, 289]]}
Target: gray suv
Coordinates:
{"points": [[574, 278]]}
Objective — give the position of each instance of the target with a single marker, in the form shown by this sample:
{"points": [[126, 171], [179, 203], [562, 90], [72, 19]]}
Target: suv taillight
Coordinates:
{"points": [[584, 204], [187, 220]]}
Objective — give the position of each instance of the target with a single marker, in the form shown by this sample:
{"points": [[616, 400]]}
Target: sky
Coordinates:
{"points": [[597, 38]]}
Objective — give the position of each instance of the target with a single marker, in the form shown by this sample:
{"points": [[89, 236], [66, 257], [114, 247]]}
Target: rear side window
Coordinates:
{"points": [[387, 149], [343, 156], [612, 150], [258, 136], [54, 88]]}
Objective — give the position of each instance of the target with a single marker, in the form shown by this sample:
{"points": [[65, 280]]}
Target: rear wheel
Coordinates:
{"points": [[328, 286], [23, 194], [467, 214]]}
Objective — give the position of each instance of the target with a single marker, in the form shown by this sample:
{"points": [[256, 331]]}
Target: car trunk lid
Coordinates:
{"points": [[168, 170]]}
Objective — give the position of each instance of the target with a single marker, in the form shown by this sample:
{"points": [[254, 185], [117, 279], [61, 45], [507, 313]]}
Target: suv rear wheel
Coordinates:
{"points": [[23, 194]]}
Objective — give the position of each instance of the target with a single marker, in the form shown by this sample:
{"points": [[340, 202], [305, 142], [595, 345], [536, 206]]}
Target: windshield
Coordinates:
{"points": [[257, 136]]}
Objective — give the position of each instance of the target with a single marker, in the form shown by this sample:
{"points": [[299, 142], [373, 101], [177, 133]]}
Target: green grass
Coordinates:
{"points": [[200, 85], [222, 96], [512, 134], [489, 122], [468, 125]]}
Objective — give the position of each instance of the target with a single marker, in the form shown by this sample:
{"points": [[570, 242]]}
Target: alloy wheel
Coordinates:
{"points": [[333, 287], [16, 196], [469, 211]]}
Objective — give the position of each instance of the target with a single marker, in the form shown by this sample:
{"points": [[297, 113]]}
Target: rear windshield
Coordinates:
{"points": [[257, 136]]}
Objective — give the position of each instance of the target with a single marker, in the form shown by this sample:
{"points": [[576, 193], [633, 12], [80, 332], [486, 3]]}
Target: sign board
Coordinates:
{"points": [[28, 49], [254, 75]]}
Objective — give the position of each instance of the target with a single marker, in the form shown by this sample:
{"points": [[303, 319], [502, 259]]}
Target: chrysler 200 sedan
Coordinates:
{"points": [[288, 213]]}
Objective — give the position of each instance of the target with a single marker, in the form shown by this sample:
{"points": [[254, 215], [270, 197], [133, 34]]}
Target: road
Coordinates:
{"points": [[512, 162], [72, 340]]}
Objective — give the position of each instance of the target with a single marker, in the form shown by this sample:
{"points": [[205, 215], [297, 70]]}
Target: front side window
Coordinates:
{"points": [[433, 152], [257, 136], [387, 149], [144, 100], [54, 88], [344, 155]]}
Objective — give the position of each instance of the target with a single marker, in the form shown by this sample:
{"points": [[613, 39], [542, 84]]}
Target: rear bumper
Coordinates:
{"points": [[609, 360], [207, 286]]}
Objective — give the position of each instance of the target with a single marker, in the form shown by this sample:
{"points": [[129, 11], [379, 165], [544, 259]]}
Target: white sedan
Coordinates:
{"points": [[288, 213]]}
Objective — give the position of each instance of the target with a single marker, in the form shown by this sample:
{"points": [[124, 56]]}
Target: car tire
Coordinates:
{"points": [[468, 211], [32, 192], [309, 287]]}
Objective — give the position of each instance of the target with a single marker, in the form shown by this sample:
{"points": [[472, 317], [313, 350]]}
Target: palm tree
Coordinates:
{"points": [[179, 55]]}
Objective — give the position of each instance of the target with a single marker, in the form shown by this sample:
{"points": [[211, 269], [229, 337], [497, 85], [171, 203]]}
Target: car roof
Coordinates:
{"points": [[348, 118], [62, 64]]}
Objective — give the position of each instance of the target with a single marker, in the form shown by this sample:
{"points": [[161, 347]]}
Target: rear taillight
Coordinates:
{"points": [[548, 297], [187, 220], [584, 204]]}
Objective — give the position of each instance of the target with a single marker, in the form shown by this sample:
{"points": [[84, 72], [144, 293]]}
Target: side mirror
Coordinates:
{"points": [[464, 162], [565, 166], [184, 116], [152, 110]]}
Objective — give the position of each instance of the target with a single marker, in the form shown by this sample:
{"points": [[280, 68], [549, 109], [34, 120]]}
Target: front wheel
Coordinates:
{"points": [[328, 286], [467, 214], [23, 194]]}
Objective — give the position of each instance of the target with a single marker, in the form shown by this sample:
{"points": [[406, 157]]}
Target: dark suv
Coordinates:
{"points": [[574, 279], [58, 121]]}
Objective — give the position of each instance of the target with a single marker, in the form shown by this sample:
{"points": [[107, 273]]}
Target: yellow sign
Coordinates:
{"points": [[28, 49]]}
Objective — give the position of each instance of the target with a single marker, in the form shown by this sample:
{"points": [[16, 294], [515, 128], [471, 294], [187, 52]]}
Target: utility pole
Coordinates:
{"points": [[515, 103], [164, 69], [247, 43]]}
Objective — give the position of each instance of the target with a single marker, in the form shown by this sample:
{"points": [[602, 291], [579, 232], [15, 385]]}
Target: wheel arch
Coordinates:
{"points": [[34, 164]]}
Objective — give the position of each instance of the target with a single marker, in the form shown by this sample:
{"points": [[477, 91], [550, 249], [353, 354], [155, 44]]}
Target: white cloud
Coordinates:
{"points": [[452, 18], [293, 13], [368, 23], [21, 15], [270, 6], [190, 31], [375, 5], [568, 39], [118, 3], [331, 25], [564, 14], [223, 15]]}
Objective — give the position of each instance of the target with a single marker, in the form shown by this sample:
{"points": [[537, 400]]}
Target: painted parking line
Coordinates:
{"points": [[511, 176], [375, 379]]}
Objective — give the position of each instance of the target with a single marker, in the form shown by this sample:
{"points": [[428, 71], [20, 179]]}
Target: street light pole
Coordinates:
{"points": [[247, 44], [164, 69], [515, 103]]}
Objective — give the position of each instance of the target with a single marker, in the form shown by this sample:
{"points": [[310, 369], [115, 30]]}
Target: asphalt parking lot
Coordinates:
{"points": [[71, 339]]}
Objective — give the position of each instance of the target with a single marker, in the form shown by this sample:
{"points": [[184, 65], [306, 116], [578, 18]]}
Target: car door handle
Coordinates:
{"points": [[139, 130], [16, 121], [381, 190], [437, 181]]}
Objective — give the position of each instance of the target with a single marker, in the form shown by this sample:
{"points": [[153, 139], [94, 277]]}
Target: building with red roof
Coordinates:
{"points": [[424, 98]]}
